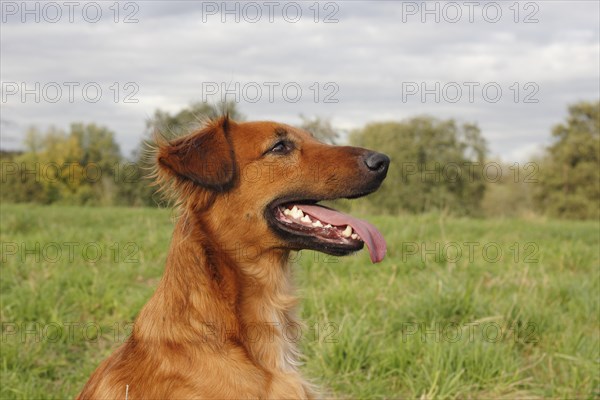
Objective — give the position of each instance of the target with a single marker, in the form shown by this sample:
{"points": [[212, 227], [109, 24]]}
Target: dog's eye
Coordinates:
{"points": [[281, 147]]}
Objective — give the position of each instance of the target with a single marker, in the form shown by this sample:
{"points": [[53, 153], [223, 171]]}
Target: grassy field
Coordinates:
{"points": [[460, 308]]}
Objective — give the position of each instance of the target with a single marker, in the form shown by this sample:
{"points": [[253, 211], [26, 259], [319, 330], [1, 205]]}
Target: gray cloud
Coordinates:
{"points": [[371, 55]]}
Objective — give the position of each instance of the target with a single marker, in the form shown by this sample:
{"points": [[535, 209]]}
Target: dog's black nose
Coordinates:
{"points": [[377, 162]]}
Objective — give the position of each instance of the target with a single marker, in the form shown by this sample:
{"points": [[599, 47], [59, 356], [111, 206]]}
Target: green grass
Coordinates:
{"points": [[431, 325]]}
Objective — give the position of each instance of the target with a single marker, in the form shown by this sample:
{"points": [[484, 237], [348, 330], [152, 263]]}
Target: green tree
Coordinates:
{"points": [[33, 141], [75, 167], [321, 128], [510, 193], [189, 118], [570, 170], [97, 144], [436, 165]]}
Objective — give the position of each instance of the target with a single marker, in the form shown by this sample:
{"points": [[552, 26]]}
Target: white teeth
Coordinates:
{"points": [[296, 213], [347, 232]]}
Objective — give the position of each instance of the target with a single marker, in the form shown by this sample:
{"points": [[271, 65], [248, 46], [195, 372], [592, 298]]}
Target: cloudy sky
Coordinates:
{"points": [[512, 67]]}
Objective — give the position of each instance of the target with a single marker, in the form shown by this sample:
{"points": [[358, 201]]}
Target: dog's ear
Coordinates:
{"points": [[205, 157]]}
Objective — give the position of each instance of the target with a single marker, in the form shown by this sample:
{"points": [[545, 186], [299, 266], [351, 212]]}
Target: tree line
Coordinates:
{"points": [[437, 165]]}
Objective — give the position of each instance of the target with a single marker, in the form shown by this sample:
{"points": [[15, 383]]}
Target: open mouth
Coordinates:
{"points": [[327, 230]]}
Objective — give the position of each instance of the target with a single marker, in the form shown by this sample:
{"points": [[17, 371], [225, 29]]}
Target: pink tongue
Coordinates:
{"points": [[367, 232]]}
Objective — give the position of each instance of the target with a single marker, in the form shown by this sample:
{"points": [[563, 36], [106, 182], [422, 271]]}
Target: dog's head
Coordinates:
{"points": [[257, 184]]}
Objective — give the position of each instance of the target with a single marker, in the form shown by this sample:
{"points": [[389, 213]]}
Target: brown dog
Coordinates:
{"points": [[247, 194]]}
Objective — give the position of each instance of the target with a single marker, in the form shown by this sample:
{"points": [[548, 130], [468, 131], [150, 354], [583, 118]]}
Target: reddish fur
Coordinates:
{"points": [[191, 339]]}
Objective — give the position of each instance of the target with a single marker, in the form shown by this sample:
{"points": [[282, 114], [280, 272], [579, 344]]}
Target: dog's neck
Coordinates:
{"points": [[219, 297]]}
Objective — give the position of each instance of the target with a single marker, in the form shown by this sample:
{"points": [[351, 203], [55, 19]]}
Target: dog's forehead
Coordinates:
{"points": [[267, 131]]}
